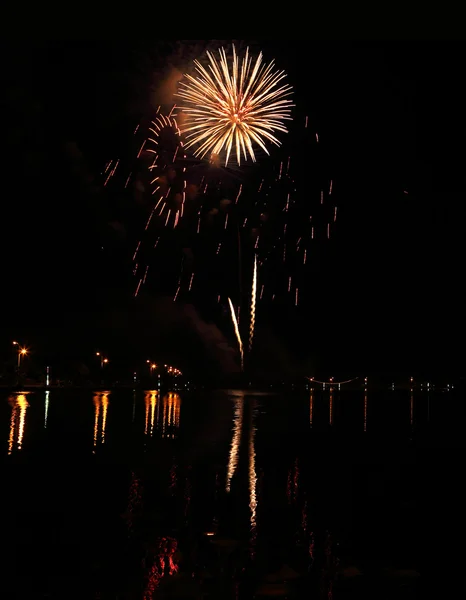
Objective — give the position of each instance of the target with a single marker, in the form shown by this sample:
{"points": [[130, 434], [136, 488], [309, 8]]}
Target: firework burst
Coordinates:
{"points": [[231, 106], [198, 222], [168, 181]]}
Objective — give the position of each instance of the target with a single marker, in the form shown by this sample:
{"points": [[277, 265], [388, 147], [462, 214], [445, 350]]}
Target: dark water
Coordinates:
{"points": [[112, 495]]}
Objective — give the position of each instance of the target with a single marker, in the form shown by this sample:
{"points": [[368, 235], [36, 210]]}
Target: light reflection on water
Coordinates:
{"points": [[46, 412], [236, 439], [162, 415], [252, 467], [101, 402], [247, 432], [233, 455], [163, 412], [171, 414], [19, 406], [150, 401]]}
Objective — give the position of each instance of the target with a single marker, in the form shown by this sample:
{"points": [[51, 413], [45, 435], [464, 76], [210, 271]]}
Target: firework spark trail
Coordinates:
{"points": [[136, 251], [237, 333], [112, 172], [149, 219], [141, 148], [236, 439], [253, 305], [137, 289], [231, 106]]}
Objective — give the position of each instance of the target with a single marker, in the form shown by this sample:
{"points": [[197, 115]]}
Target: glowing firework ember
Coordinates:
{"points": [[238, 336], [231, 106], [253, 305]]}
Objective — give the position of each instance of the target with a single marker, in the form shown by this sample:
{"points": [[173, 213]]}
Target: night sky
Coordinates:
{"points": [[387, 295]]}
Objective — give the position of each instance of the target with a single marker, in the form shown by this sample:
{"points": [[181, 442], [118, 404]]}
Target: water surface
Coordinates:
{"points": [[131, 492]]}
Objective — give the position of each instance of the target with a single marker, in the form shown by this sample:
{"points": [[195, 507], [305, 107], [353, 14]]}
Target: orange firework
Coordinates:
{"points": [[232, 105]]}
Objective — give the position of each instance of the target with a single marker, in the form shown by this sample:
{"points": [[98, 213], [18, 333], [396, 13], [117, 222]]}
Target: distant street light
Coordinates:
{"points": [[103, 361], [21, 352], [152, 366]]}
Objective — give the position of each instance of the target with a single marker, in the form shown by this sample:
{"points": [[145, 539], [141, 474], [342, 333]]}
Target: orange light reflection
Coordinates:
{"points": [[101, 402], [171, 415], [252, 483], [19, 406], [236, 439], [252, 475], [150, 401]]}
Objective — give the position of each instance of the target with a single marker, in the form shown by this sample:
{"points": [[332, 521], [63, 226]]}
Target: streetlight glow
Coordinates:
{"points": [[21, 352]]}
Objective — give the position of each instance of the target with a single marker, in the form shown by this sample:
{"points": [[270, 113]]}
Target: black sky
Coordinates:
{"points": [[388, 296]]}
